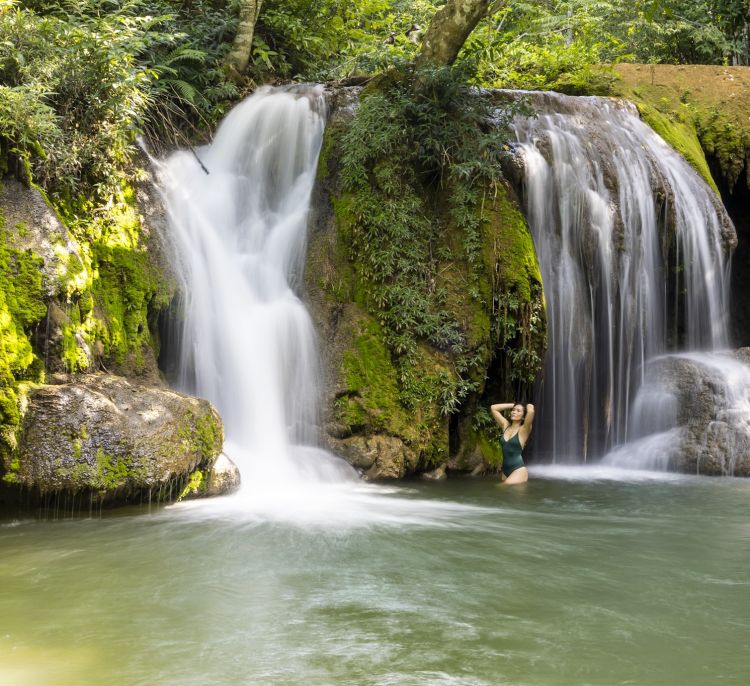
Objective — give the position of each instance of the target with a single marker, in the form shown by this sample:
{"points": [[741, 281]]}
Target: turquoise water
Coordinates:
{"points": [[578, 577]]}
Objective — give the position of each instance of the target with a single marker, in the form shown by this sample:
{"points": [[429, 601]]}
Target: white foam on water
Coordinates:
{"points": [[602, 472]]}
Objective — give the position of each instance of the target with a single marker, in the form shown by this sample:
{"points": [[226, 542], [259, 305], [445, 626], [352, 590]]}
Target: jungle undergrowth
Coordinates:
{"points": [[417, 161]]}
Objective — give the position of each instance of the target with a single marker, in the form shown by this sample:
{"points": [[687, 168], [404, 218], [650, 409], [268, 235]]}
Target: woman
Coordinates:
{"points": [[515, 434]]}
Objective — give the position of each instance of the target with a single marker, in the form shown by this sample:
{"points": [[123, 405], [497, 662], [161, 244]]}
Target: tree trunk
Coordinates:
{"points": [[449, 29], [239, 56]]}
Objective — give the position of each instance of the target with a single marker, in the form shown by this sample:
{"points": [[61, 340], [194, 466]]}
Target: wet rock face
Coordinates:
{"points": [[378, 457], [223, 478], [116, 439], [31, 224], [713, 410]]}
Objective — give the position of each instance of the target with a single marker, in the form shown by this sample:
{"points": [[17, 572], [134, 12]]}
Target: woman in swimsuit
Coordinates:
{"points": [[515, 434]]}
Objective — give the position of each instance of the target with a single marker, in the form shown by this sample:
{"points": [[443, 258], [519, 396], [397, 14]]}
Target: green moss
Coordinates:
{"points": [[209, 435], [327, 149], [372, 396], [202, 434], [343, 284], [491, 450], [681, 136], [22, 306], [511, 248], [112, 286], [726, 141], [122, 289], [112, 471], [13, 467], [700, 110], [196, 485]]}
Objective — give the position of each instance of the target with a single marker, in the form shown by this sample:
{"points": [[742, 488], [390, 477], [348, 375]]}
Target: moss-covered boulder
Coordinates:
{"points": [[77, 293], [108, 440], [408, 355]]}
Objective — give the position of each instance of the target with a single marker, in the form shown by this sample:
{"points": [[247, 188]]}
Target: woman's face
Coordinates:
{"points": [[517, 413]]}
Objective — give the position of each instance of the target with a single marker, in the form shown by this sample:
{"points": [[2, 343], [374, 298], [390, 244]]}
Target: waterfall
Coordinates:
{"points": [[238, 219], [632, 247], [694, 415]]}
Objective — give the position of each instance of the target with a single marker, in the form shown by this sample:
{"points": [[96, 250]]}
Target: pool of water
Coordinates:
{"points": [[581, 576]]}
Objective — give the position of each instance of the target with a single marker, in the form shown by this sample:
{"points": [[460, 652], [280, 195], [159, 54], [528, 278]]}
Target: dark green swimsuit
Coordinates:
{"points": [[512, 458]]}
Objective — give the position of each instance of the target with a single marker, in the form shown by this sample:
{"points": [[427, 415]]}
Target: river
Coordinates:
{"points": [[582, 576]]}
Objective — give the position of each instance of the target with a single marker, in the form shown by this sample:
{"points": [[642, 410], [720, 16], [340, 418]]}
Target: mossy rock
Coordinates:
{"points": [[113, 440], [385, 410], [700, 110]]}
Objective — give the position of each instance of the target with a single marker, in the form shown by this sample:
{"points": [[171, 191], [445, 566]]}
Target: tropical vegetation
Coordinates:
{"points": [[89, 87]]}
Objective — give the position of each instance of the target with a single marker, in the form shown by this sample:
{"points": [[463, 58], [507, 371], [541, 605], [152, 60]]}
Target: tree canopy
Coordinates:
{"points": [[79, 79]]}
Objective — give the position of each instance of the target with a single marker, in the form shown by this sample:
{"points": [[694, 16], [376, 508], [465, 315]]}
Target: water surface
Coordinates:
{"points": [[582, 576]]}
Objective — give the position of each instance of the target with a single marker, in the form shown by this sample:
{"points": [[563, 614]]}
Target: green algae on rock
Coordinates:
{"points": [[700, 110], [22, 307], [418, 290], [113, 441]]}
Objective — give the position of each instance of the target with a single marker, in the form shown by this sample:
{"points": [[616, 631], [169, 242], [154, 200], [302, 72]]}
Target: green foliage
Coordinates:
{"points": [[564, 44], [688, 31], [415, 161], [547, 46], [336, 38], [82, 79], [82, 94]]}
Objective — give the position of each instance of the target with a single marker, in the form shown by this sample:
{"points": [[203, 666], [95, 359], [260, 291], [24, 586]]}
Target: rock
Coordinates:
{"points": [[385, 416], [223, 478], [712, 410], [479, 470], [155, 225], [117, 440], [438, 474], [384, 457], [31, 224]]}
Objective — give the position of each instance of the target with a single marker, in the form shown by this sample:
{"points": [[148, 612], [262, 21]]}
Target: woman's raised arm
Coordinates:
{"points": [[528, 422], [497, 409]]}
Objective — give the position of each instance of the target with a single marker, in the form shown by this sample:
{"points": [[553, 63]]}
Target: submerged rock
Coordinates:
{"points": [[438, 474], [117, 440]]}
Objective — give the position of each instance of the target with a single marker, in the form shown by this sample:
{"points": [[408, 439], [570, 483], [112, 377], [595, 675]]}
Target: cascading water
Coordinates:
{"points": [[693, 413], [632, 247], [238, 225]]}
